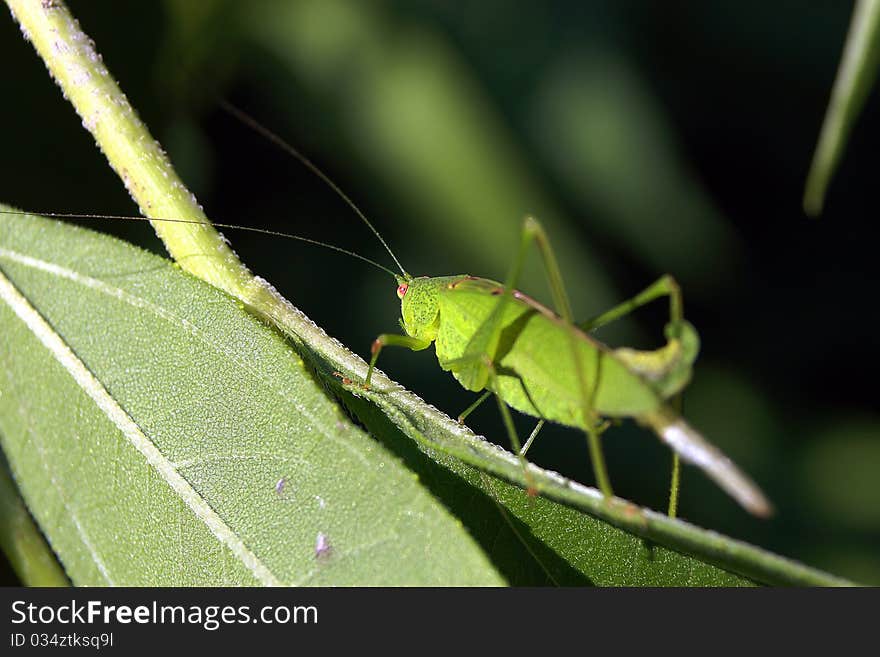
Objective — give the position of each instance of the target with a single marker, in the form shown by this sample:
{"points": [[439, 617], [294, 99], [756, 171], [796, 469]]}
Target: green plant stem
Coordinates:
{"points": [[145, 169], [136, 157], [21, 540], [149, 177]]}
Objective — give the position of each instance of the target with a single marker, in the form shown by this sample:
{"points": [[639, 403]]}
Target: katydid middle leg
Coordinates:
{"points": [[470, 409], [532, 436], [511, 432]]}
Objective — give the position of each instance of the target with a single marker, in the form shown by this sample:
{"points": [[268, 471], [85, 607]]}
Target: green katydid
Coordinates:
{"points": [[498, 341], [495, 339]]}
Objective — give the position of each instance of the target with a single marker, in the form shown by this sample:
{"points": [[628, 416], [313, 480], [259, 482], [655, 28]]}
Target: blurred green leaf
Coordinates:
{"points": [[855, 78], [839, 474], [163, 436], [600, 127], [22, 542]]}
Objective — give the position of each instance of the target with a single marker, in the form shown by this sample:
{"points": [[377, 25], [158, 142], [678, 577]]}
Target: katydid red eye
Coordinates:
{"points": [[401, 290]]}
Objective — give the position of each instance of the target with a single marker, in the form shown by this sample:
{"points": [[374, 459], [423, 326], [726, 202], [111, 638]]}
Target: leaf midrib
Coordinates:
{"points": [[110, 408]]}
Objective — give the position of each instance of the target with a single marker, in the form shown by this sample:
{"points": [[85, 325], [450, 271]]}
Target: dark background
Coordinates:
{"points": [[649, 137]]}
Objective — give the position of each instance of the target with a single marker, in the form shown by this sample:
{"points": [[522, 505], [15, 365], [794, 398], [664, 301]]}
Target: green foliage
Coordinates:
{"points": [[855, 78], [21, 540], [408, 108]]}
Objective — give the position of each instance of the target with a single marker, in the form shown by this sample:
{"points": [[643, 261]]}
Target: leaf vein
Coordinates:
{"points": [[89, 384]]}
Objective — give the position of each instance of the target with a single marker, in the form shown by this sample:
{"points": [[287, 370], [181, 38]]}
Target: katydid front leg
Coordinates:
{"points": [[392, 340]]}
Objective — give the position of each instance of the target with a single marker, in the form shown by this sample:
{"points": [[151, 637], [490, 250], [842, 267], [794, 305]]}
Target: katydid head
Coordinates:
{"points": [[419, 306]]}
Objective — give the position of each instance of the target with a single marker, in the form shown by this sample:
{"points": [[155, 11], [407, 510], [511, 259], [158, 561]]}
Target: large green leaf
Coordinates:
{"points": [[161, 435]]}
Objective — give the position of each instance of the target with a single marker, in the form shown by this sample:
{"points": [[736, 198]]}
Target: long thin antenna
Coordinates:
{"points": [[250, 229], [257, 127]]}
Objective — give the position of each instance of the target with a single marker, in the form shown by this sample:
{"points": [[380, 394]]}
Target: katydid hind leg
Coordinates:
{"points": [[666, 286], [674, 485], [675, 477], [533, 231]]}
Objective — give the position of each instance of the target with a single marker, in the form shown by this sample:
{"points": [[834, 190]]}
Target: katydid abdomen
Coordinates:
{"points": [[535, 368]]}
